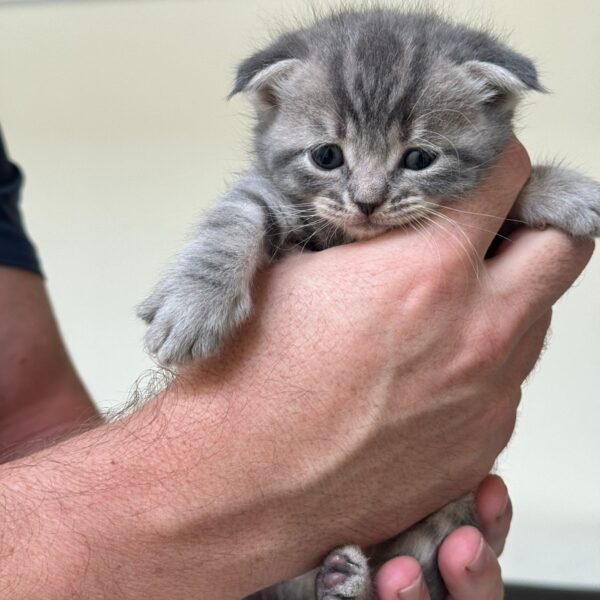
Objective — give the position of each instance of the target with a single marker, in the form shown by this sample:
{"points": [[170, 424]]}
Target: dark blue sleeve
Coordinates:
{"points": [[16, 250]]}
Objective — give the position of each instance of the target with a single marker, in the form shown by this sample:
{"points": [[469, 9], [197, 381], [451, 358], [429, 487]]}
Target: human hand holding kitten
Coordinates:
{"points": [[368, 121]]}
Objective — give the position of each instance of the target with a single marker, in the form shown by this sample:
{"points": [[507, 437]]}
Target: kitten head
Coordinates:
{"points": [[368, 120]]}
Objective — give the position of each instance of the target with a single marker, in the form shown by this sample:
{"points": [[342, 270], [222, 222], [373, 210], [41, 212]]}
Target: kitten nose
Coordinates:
{"points": [[368, 208]]}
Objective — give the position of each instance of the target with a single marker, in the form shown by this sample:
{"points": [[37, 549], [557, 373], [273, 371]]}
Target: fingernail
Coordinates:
{"points": [[478, 563], [415, 591]]}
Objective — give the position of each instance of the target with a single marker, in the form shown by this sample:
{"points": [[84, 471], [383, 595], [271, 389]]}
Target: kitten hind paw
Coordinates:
{"points": [[345, 574]]}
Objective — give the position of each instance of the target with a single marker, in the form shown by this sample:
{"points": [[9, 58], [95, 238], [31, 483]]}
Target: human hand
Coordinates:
{"points": [[387, 373], [467, 560], [406, 350]]}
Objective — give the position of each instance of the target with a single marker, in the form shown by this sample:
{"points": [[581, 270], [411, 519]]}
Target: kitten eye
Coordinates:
{"points": [[328, 156], [416, 159]]}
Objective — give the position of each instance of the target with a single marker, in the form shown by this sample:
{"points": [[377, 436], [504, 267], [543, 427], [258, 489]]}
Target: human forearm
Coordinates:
{"points": [[176, 476], [102, 513], [42, 396], [174, 498]]}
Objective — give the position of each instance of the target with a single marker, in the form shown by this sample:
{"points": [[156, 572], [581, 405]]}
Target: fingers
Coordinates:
{"points": [[494, 510], [401, 579], [482, 214], [467, 560], [535, 269], [470, 567]]}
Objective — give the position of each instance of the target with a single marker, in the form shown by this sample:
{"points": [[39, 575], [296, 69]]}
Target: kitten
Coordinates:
{"points": [[367, 120]]}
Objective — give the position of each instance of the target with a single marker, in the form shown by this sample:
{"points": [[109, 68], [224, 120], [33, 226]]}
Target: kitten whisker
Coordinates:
{"points": [[470, 212], [490, 231], [472, 263], [315, 232], [420, 228], [471, 254], [302, 226]]}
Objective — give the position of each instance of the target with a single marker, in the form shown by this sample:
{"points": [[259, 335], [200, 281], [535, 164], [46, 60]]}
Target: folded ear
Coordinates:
{"points": [[263, 73], [503, 85]]}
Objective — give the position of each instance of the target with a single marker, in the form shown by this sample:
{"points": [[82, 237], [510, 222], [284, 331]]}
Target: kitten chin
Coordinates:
{"points": [[366, 231]]}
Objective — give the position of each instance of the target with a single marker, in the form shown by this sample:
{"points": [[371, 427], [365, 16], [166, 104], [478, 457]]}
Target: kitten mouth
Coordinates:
{"points": [[367, 224], [364, 227], [361, 227]]}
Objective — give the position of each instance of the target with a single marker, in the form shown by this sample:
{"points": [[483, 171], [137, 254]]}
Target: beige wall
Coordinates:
{"points": [[116, 110]]}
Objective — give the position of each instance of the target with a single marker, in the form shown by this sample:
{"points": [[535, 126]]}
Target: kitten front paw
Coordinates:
{"points": [[588, 222], [562, 198], [345, 574], [581, 209], [190, 321]]}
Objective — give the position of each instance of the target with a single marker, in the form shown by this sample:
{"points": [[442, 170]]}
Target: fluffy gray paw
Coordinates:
{"points": [[345, 574], [588, 223], [189, 320], [561, 198]]}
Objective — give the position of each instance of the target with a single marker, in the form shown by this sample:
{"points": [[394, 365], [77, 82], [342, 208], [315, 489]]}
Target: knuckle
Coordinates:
{"points": [[568, 249], [457, 260], [447, 277], [584, 249], [486, 346]]}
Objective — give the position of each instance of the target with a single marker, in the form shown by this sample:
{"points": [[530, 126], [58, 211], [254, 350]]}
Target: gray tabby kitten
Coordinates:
{"points": [[366, 120]]}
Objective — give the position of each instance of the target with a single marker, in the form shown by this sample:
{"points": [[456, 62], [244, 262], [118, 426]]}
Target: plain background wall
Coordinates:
{"points": [[116, 111]]}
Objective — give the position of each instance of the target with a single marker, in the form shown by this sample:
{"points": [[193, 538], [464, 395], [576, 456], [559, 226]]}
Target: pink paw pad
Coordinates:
{"points": [[344, 575]]}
